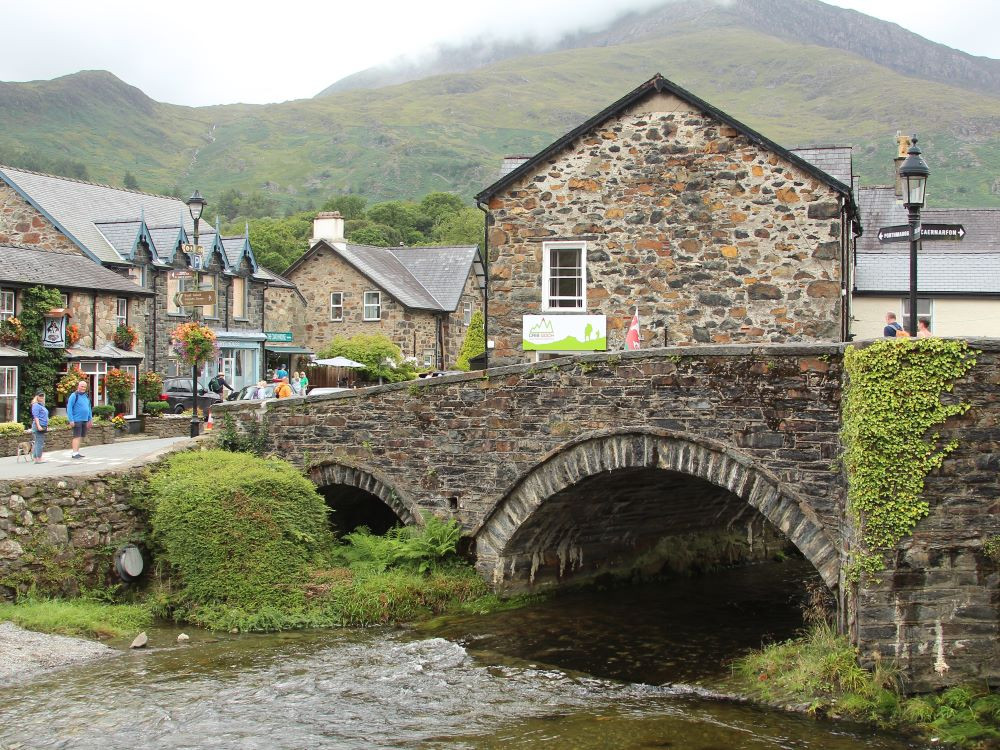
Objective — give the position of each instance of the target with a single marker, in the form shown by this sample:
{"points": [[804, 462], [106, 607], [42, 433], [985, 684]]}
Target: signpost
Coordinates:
{"points": [[284, 337], [183, 274], [195, 299], [901, 232], [192, 249]]}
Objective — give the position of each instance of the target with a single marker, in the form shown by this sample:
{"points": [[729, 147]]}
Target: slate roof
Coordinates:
{"points": [[879, 208], [74, 206], [660, 84], [24, 266], [121, 235], [937, 273], [834, 160], [422, 278]]}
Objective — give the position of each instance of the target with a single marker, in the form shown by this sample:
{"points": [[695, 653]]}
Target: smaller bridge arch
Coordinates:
{"points": [[334, 472], [712, 465]]}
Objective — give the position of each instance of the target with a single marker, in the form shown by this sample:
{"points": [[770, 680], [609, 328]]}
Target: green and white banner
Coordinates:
{"points": [[564, 333]]}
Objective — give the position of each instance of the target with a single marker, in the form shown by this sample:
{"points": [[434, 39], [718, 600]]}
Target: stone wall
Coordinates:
{"points": [[168, 425], [21, 224], [712, 236]]}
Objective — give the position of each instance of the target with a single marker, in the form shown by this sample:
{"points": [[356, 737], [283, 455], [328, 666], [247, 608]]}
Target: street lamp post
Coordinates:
{"points": [[913, 173], [196, 204]]}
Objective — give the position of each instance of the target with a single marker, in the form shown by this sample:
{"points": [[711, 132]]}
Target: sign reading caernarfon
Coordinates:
{"points": [[564, 333], [54, 332]]}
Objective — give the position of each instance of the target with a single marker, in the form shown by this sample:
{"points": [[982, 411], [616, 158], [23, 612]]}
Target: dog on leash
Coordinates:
{"points": [[24, 449]]}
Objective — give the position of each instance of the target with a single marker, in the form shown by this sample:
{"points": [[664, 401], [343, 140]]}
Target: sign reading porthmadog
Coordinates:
{"points": [[901, 232]]}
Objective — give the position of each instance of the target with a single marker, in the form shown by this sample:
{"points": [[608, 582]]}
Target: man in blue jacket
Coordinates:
{"points": [[80, 416]]}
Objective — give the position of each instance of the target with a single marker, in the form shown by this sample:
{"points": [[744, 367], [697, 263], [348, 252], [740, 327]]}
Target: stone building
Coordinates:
{"points": [[422, 298], [958, 265], [95, 301], [665, 205], [147, 239]]}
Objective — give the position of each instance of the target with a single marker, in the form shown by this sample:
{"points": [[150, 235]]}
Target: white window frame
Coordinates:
{"points": [[181, 286], [377, 305], [132, 403], [64, 300], [337, 309], [904, 306], [240, 296], [6, 304], [121, 311], [138, 275], [467, 314], [547, 298], [9, 373]]}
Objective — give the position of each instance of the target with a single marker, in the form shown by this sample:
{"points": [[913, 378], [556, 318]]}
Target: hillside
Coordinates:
{"points": [[449, 132]]}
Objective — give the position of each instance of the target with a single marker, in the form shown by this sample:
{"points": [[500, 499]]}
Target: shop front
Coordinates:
{"points": [[239, 358], [11, 359], [284, 353]]}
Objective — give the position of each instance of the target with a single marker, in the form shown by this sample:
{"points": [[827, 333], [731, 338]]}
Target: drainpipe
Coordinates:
{"points": [[440, 342], [485, 259], [263, 344], [153, 302], [93, 320]]}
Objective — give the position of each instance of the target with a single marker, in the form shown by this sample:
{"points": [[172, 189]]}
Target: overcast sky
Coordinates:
{"points": [[253, 51]]}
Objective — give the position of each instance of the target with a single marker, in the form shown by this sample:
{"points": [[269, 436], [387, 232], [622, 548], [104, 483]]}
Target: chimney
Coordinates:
{"points": [[902, 146], [329, 226]]}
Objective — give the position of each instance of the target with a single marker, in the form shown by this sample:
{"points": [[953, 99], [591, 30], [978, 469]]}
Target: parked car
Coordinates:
{"points": [[324, 389], [253, 392], [177, 393]]}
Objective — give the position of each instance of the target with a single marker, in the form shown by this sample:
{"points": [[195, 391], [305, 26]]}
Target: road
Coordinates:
{"points": [[96, 458]]}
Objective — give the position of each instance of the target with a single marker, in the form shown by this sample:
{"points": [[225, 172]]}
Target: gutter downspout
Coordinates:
{"points": [[440, 341], [153, 337], [263, 344], [93, 320], [485, 259]]}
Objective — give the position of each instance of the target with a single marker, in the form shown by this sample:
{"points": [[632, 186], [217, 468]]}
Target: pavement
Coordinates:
{"points": [[97, 458]]}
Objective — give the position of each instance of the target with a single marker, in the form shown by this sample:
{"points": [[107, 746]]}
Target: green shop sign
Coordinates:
{"points": [[564, 333], [280, 337]]}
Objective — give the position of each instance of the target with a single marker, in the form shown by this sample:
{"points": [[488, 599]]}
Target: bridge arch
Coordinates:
{"points": [[685, 457], [333, 472]]}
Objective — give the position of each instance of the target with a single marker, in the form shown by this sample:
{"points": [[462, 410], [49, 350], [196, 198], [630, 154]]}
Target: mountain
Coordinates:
{"points": [[803, 21], [448, 132]]}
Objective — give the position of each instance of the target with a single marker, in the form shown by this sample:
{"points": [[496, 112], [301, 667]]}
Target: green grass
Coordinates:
{"points": [[81, 617], [820, 670]]}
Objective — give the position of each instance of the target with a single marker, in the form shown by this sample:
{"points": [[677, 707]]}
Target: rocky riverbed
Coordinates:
{"points": [[24, 653]]}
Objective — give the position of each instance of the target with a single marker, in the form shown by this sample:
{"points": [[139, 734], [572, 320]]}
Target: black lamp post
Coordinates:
{"points": [[913, 173], [196, 205]]}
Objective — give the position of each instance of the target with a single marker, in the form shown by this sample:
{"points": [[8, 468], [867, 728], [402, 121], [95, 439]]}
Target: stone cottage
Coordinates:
{"points": [[421, 298], [664, 205], [147, 239]]}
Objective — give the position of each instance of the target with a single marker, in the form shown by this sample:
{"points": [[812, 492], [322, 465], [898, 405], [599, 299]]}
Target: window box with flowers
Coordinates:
{"points": [[125, 337], [11, 332]]}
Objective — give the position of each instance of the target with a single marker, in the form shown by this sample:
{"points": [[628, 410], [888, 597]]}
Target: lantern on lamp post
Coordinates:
{"points": [[196, 205], [913, 173]]}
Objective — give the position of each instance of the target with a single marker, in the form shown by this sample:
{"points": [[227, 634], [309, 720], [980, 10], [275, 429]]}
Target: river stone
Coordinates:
{"points": [[57, 534], [140, 640], [10, 549], [183, 638]]}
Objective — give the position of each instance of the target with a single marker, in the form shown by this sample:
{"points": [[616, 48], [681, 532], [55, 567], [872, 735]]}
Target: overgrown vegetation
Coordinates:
{"points": [[474, 343], [382, 359], [892, 403], [244, 542], [84, 616], [42, 365], [820, 670]]}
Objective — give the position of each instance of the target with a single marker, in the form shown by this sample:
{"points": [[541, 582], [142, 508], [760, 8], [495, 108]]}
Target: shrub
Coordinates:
{"points": [[9, 429], [118, 384], [475, 341], [149, 387], [67, 383], [104, 411], [58, 423], [155, 408], [239, 531]]}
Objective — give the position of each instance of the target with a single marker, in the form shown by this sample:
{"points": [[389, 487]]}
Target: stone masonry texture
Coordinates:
{"points": [[759, 421], [713, 237]]}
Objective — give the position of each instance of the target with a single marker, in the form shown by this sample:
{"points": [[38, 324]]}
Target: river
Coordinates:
{"points": [[633, 667]]}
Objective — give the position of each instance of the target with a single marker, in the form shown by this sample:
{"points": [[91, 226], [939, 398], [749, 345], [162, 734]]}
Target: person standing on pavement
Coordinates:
{"points": [[80, 415], [39, 425]]}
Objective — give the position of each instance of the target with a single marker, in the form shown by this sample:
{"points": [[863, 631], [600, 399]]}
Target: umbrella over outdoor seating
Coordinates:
{"points": [[340, 362]]}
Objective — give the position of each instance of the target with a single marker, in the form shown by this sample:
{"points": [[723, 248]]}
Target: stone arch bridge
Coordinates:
{"points": [[606, 463]]}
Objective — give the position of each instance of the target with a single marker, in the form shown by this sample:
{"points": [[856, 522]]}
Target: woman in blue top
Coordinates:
{"points": [[39, 425]]}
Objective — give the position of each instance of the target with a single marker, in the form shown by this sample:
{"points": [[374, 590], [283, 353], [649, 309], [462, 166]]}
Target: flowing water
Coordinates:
{"points": [[627, 668]]}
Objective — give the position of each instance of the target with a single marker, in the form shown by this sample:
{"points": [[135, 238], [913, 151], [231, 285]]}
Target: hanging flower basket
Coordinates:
{"points": [[125, 337], [67, 383], [118, 384], [194, 343], [72, 334], [11, 332]]}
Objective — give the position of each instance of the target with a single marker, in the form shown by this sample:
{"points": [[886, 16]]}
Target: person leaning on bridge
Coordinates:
{"points": [[924, 328], [283, 390], [892, 328]]}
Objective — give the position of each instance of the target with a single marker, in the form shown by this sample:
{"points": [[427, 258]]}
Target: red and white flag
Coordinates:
{"points": [[632, 337]]}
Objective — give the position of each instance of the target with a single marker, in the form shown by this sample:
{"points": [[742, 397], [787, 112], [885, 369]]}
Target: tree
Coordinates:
{"points": [[369, 233], [438, 206], [462, 228], [375, 351], [350, 206], [40, 369], [475, 341], [130, 182]]}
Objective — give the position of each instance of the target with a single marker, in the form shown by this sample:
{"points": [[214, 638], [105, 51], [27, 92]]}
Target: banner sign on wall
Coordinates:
{"points": [[564, 333], [54, 332]]}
